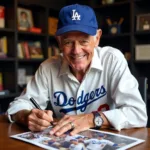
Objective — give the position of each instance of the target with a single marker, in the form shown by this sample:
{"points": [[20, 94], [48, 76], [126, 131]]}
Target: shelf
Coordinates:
{"points": [[141, 1], [116, 35], [141, 61], [146, 32], [125, 2], [31, 33], [6, 30], [137, 0], [7, 59], [31, 60], [51, 36]]}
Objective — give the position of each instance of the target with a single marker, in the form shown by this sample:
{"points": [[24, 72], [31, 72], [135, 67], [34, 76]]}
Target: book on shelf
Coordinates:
{"points": [[35, 50], [2, 16], [3, 47], [35, 30], [26, 50], [22, 50], [29, 50], [53, 50], [52, 25], [1, 81], [20, 53]]}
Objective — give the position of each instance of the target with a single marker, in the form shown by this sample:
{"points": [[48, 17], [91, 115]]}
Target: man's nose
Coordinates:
{"points": [[77, 47]]}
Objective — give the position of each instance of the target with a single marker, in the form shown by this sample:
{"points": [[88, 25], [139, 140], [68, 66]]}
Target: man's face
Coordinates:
{"points": [[78, 49]]}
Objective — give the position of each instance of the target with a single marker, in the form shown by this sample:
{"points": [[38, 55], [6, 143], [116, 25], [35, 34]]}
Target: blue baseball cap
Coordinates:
{"points": [[77, 18]]}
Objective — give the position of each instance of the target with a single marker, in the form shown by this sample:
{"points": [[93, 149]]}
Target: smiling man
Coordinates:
{"points": [[88, 86]]}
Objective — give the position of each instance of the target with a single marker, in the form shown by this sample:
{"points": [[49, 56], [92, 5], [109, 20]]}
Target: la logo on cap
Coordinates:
{"points": [[75, 15]]}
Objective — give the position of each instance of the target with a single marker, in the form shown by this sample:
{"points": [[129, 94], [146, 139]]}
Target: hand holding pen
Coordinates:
{"points": [[39, 120]]}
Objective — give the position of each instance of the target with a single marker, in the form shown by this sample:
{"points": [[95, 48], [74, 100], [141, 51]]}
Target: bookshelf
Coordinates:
{"points": [[41, 10]]}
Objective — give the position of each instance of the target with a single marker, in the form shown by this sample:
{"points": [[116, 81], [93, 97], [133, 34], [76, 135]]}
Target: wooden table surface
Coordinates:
{"points": [[7, 143]]}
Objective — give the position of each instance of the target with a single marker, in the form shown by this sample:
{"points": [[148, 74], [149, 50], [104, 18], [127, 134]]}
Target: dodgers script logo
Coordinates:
{"points": [[83, 100], [75, 15]]}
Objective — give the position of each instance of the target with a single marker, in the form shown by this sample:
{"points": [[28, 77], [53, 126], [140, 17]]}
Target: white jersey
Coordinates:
{"points": [[68, 137], [108, 86], [79, 146], [95, 144]]}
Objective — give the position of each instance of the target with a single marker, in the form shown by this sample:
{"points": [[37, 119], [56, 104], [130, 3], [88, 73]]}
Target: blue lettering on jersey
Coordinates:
{"points": [[83, 100]]}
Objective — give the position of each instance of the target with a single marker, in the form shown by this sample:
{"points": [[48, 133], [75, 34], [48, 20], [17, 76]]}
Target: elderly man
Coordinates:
{"points": [[88, 86]]}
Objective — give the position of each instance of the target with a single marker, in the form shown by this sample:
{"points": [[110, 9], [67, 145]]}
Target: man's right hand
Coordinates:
{"points": [[36, 120]]}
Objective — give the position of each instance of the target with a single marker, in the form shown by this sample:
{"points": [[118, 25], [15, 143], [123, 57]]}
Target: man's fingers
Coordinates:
{"points": [[65, 121], [35, 127], [38, 121], [75, 123], [59, 131], [43, 114], [50, 114]]}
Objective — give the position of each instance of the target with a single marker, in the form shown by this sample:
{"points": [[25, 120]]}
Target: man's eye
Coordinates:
{"points": [[84, 42], [67, 43]]}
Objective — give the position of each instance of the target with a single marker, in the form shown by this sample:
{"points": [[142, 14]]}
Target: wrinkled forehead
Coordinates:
{"points": [[74, 35]]}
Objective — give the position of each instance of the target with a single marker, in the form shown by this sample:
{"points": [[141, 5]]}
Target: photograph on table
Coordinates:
{"points": [[89, 139]]}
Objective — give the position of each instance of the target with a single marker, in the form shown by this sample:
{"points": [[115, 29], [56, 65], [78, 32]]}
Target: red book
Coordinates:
{"points": [[2, 16], [36, 30], [26, 50]]}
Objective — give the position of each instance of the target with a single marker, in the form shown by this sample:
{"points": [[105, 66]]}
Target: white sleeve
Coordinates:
{"points": [[130, 109], [36, 88]]}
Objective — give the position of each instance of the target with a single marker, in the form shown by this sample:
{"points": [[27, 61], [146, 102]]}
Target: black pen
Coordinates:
{"points": [[35, 103], [38, 107]]}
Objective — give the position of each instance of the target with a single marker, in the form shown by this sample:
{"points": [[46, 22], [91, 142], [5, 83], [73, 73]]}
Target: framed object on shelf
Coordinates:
{"points": [[142, 52], [114, 27], [25, 19], [3, 47], [143, 22], [52, 25]]}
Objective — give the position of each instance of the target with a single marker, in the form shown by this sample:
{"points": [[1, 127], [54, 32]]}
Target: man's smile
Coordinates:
{"points": [[78, 57]]}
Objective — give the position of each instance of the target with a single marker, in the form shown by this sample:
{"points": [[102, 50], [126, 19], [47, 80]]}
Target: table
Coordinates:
{"points": [[7, 143]]}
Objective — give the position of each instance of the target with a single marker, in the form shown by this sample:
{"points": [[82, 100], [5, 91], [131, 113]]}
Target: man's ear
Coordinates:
{"points": [[98, 36]]}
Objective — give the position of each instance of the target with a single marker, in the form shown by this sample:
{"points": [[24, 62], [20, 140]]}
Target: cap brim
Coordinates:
{"points": [[81, 28]]}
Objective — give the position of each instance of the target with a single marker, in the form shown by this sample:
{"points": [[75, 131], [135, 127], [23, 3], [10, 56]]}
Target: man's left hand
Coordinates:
{"points": [[75, 123]]}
